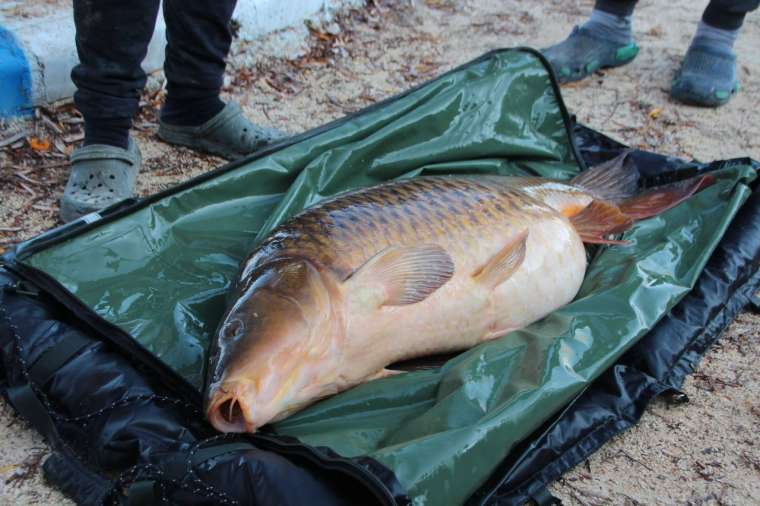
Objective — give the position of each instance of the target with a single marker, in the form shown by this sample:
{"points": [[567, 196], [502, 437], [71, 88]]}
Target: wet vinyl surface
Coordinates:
{"points": [[723, 412], [174, 261]]}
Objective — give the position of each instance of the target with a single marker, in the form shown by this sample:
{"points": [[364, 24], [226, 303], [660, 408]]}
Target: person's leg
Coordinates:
{"points": [[728, 14], [198, 39], [112, 39], [193, 115], [708, 72], [604, 40], [619, 8]]}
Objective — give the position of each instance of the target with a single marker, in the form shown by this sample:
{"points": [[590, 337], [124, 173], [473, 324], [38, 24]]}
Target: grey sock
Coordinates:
{"points": [[716, 38], [609, 26]]}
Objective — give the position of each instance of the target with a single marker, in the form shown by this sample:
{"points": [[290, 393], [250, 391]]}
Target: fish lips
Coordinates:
{"points": [[228, 411]]}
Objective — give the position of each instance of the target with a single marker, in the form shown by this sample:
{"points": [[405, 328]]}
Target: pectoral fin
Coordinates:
{"points": [[504, 263], [405, 274]]}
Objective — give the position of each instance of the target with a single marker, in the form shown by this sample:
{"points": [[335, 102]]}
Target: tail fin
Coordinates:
{"points": [[658, 200], [600, 219], [614, 180]]}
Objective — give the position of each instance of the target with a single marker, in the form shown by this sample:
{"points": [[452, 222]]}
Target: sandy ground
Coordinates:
{"points": [[13, 9], [704, 452]]}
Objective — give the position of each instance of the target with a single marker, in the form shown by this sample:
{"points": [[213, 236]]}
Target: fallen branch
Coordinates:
{"points": [[26, 188], [53, 165], [28, 179], [13, 138], [51, 124]]}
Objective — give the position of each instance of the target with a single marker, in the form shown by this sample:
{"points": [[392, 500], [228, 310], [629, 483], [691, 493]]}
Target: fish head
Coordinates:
{"points": [[277, 349]]}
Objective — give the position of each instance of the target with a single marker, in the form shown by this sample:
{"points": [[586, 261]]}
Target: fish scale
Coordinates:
{"points": [[344, 233]]}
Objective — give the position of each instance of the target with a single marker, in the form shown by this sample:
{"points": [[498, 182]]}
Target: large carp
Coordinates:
{"points": [[404, 269]]}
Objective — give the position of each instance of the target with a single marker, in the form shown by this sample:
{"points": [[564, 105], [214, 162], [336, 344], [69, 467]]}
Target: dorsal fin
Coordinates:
{"points": [[614, 180], [405, 274], [600, 219], [505, 262]]}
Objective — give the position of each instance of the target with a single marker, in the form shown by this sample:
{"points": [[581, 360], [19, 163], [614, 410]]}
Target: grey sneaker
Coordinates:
{"points": [[101, 175], [228, 134]]}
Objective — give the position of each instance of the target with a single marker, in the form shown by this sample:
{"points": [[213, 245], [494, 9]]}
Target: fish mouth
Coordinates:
{"points": [[230, 414]]}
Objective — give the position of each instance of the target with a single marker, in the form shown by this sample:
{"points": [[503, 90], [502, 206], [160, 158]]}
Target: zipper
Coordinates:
{"points": [[22, 288], [372, 482]]}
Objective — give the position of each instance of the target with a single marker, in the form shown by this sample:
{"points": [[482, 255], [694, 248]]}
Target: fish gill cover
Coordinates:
{"points": [[162, 273]]}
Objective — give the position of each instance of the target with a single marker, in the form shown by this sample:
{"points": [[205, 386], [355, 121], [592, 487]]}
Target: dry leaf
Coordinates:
{"points": [[655, 113], [39, 144], [9, 467]]}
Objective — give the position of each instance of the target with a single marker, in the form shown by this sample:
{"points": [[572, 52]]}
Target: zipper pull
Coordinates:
{"points": [[22, 288]]}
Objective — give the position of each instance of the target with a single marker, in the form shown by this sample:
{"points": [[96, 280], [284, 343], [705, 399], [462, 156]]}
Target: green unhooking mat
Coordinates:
{"points": [[161, 271]]}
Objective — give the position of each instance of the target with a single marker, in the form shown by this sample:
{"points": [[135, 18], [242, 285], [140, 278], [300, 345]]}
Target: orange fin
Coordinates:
{"points": [[406, 274], [600, 219], [658, 200], [614, 180], [504, 263]]}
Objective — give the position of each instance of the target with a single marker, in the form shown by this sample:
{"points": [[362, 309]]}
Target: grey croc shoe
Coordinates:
{"points": [[584, 52], [228, 134], [707, 77], [101, 175]]}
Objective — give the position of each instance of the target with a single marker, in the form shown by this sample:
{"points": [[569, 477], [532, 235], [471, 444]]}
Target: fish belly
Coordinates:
{"points": [[550, 277], [464, 312]]}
